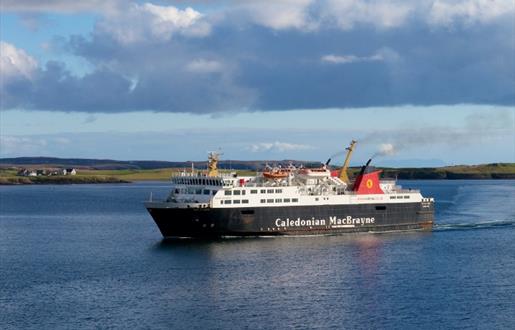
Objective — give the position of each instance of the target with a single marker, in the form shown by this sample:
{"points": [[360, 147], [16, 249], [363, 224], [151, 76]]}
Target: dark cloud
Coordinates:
{"points": [[250, 67]]}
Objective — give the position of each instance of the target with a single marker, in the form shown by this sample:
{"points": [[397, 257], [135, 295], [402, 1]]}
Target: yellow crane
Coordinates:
{"points": [[212, 165], [343, 172]]}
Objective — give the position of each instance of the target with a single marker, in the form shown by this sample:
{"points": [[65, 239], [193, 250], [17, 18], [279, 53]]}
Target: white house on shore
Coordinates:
{"points": [[46, 172], [27, 172], [69, 171]]}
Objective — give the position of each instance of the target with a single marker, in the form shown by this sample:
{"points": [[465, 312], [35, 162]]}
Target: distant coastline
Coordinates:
{"points": [[17, 180], [95, 171]]}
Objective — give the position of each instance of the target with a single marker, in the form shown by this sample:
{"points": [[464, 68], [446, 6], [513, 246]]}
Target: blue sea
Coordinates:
{"points": [[90, 257]]}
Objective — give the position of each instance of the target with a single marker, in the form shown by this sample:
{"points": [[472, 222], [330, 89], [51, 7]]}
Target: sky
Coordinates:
{"points": [[419, 83]]}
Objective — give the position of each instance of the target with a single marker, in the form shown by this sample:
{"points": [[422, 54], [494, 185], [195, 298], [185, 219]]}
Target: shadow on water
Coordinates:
{"points": [[169, 244], [307, 241]]}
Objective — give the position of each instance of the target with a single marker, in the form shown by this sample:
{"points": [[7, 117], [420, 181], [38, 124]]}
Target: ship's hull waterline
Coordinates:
{"points": [[296, 220]]}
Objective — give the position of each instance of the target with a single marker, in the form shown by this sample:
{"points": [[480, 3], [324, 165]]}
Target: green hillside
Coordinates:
{"points": [[8, 173]]}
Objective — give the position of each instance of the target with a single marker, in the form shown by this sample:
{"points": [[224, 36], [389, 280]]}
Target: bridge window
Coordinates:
{"points": [[228, 193], [286, 200], [278, 200], [253, 191], [244, 201], [263, 191], [295, 200], [263, 201], [270, 191], [236, 192], [269, 200], [278, 191], [227, 202], [236, 201]]}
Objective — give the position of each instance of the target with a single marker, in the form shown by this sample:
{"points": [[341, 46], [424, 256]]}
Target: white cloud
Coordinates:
{"points": [[15, 145], [148, 21], [445, 12], [204, 66], [62, 140], [385, 149], [345, 59], [382, 14], [15, 63], [280, 14], [278, 147]]}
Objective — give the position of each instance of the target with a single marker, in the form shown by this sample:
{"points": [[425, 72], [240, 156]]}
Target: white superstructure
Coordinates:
{"points": [[300, 187]]}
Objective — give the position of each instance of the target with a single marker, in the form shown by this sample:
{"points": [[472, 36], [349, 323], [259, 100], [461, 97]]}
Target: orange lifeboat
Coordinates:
{"points": [[276, 173]]}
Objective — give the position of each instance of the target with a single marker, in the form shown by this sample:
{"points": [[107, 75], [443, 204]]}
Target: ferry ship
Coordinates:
{"points": [[288, 201]]}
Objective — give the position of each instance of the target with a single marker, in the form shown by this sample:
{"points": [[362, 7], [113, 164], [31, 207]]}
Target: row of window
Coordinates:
{"points": [[193, 191], [234, 192], [263, 201], [399, 197], [253, 191], [197, 181], [236, 201], [279, 200]]}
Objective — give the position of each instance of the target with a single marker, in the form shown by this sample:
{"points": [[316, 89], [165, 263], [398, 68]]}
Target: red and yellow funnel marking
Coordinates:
{"points": [[368, 184]]}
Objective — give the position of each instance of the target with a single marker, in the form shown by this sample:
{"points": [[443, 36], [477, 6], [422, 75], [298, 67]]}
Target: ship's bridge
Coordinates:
{"points": [[196, 180]]}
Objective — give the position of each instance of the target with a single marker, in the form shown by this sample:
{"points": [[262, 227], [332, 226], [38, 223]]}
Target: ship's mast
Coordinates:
{"points": [[343, 172], [212, 166]]}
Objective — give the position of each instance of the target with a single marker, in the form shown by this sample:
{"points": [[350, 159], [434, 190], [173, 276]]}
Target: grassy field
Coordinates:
{"points": [[488, 171], [8, 176], [132, 175]]}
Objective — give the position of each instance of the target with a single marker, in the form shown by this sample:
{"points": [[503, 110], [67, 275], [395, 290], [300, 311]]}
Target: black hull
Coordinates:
{"points": [[292, 220]]}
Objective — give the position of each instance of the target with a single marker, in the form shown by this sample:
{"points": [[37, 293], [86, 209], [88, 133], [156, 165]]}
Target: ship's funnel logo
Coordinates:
{"points": [[368, 183]]}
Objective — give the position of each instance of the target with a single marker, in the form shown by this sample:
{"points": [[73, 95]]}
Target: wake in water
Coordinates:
{"points": [[472, 226]]}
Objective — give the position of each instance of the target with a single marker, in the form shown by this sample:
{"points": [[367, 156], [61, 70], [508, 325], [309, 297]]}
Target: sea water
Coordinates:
{"points": [[89, 256]]}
